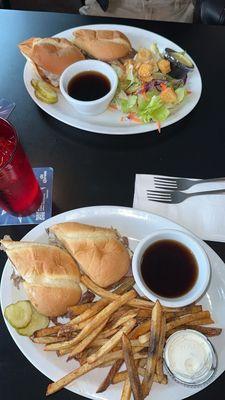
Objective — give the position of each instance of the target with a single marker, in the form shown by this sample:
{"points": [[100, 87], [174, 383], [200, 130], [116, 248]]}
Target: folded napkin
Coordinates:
{"points": [[203, 215]]}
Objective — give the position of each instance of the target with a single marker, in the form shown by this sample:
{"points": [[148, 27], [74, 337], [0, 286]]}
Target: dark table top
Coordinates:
{"points": [[92, 169]]}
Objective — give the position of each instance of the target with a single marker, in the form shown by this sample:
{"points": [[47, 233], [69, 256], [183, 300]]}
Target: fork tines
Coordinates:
{"points": [[169, 182], [159, 196]]}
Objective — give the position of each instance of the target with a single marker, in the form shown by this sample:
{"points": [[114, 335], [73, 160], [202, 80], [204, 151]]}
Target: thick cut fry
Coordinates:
{"points": [[86, 341], [131, 369], [207, 331], [79, 309], [187, 319], [98, 306], [156, 323], [98, 319], [140, 330], [127, 285], [144, 338], [47, 339], [51, 330], [173, 315], [204, 321], [112, 342], [126, 392], [108, 333], [109, 377], [121, 376], [138, 303], [159, 365]]}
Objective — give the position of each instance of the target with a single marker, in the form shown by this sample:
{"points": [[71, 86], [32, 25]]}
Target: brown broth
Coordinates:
{"points": [[169, 268], [88, 86]]}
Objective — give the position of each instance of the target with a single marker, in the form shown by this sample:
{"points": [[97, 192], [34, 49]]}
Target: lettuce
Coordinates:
{"points": [[127, 105], [153, 109], [181, 94]]}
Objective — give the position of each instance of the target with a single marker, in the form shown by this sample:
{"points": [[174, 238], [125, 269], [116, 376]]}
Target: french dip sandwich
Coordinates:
{"points": [[99, 252], [103, 45], [50, 56], [50, 275]]}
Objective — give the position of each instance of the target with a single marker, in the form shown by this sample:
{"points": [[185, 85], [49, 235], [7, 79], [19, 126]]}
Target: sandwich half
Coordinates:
{"points": [[50, 56], [104, 45], [50, 275], [99, 252]]}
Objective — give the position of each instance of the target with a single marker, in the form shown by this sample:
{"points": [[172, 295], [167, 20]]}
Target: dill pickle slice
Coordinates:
{"points": [[19, 314], [46, 90], [38, 321], [47, 100]]}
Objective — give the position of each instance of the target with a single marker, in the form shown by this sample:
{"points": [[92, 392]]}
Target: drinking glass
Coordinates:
{"points": [[20, 193]]}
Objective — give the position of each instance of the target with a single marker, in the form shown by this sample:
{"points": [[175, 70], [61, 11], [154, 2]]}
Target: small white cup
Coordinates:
{"points": [[89, 107], [202, 261]]}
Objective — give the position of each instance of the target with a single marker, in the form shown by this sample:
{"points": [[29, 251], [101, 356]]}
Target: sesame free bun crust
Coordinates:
{"points": [[51, 276], [98, 251], [50, 55], [104, 45]]}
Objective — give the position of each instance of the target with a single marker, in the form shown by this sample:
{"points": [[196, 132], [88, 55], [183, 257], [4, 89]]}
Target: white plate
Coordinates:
{"points": [[134, 224], [110, 122]]}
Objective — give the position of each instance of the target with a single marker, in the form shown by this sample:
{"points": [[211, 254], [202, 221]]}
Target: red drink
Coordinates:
{"points": [[20, 193]]}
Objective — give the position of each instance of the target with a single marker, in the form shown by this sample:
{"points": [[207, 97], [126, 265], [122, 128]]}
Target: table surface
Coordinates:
{"points": [[92, 169]]}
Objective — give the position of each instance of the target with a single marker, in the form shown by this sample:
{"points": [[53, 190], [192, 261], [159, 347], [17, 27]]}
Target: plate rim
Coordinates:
{"points": [[88, 127], [109, 210]]}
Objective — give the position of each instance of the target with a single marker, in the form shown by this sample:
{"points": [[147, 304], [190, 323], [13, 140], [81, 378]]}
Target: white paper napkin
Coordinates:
{"points": [[203, 215]]}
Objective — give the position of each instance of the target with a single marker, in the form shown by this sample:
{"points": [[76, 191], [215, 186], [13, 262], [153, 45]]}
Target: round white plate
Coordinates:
{"points": [[110, 121], [135, 225]]}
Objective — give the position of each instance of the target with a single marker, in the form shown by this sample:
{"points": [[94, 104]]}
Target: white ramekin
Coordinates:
{"points": [[89, 107], [204, 270]]}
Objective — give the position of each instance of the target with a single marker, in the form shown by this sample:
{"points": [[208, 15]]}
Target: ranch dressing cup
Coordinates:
{"points": [[190, 357]]}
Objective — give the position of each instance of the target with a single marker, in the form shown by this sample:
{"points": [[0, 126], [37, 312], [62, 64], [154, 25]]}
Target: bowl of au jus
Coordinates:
{"points": [[171, 266], [89, 86]]}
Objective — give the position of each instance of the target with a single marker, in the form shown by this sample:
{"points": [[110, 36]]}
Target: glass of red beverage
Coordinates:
{"points": [[20, 193]]}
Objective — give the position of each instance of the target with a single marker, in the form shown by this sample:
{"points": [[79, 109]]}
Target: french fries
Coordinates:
{"points": [[110, 376], [126, 392], [139, 303], [120, 327], [153, 352], [112, 342], [159, 365], [103, 315], [135, 383], [86, 341]]}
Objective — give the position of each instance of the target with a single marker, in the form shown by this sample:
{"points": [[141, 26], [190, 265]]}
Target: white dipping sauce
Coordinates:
{"points": [[189, 356]]}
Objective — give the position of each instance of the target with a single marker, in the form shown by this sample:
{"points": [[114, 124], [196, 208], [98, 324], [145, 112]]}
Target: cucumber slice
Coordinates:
{"points": [[46, 90], [48, 100], [38, 321], [19, 314]]}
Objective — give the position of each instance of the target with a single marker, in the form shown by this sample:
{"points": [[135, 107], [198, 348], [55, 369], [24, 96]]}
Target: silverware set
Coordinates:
{"points": [[172, 189]]}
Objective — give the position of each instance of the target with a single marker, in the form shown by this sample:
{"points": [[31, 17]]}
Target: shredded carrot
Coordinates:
{"points": [[158, 126], [112, 107], [134, 118], [163, 86]]}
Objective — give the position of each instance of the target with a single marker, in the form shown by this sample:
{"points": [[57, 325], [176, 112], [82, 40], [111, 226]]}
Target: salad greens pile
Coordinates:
{"points": [[145, 91]]}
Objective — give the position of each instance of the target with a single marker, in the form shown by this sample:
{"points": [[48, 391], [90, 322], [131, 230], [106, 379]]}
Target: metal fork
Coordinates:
{"points": [[163, 182], [176, 197]]}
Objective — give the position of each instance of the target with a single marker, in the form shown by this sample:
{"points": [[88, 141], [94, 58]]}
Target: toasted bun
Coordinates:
{"points": [[98, 251], [103, 45], [50, 56], [51, 276]]}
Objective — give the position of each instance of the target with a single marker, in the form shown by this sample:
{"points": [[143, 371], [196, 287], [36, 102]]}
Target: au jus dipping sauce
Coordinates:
{"points": [[169, 268], [88, 86]]}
